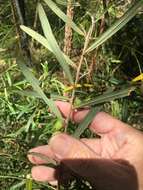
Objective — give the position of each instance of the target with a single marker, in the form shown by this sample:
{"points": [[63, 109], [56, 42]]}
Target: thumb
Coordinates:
{"points": [[101, 173]]}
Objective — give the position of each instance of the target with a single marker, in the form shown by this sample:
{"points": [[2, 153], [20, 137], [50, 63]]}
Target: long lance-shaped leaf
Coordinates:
{"points": [[44, 158], [117, 25], [33, 81], [63, 16], [86, 121], [17, 185], [34, 94], [43, 41], [106, 97], [29, 183], [53, 43]]}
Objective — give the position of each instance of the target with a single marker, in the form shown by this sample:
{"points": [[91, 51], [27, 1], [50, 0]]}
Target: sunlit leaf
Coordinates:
{"points": [[139, 77], [34, 94], [33, 81], [43, 41], [53, 43], [106, 97]]}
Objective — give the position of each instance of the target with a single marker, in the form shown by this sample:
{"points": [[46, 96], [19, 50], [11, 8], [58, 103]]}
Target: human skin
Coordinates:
{"points": [[112, 162]]}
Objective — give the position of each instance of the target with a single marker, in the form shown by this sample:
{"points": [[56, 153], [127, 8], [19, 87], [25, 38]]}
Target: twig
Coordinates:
{"points": [[87, 40], [68, 29], [101, 29], [106, 15]]}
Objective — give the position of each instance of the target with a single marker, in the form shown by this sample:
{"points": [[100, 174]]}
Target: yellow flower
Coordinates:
{"points": [[139, 77]]}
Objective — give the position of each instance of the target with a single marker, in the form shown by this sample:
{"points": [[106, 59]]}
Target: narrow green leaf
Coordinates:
{"points": [[35, 35], [34, 94], [43, 41], [86, 121], [18, 185], [117, 25], [29, 122], [28, 93], [29, 183], [44, 158], [63, 16], [106, 97], [53, 43], [10, 177], [33, 81]]}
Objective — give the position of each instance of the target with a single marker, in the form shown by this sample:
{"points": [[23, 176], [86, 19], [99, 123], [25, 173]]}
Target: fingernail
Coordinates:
{"points": [[61, 145]]}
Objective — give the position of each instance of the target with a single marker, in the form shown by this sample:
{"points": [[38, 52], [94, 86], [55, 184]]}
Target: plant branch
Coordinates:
{"points": [[68, 29], [87, 40]]}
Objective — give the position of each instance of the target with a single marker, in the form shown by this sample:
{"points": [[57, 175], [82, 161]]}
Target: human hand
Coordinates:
{"points": [[112, 162]]}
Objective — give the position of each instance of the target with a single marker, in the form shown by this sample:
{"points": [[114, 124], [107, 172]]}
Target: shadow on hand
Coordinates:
{"points": [[102, 174]]}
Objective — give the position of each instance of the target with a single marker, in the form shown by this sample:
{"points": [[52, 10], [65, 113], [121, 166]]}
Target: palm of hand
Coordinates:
{"points": [[113, 161]]}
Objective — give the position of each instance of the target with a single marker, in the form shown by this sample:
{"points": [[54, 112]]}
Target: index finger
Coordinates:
{"points": [[102, 123], [76, 115]]}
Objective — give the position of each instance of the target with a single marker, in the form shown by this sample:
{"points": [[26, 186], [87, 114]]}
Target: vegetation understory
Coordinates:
{"points": [[104, 72]]}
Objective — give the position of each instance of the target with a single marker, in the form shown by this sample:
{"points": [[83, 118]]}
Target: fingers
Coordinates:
{"points": [[93, 144], [65, 146], [61, 146], [76, 116], [79, 157], [44, 150], [43, 173], [61, 174], [102, 123], [47, 174], [101, 173]]}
